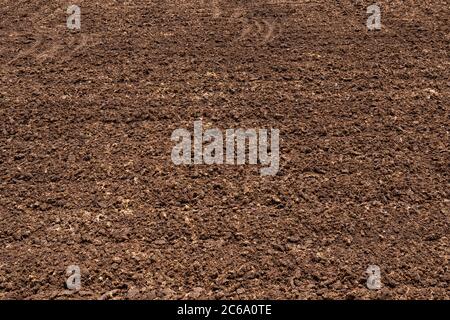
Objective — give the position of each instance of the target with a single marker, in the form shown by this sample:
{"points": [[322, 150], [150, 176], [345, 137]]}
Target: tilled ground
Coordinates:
{"points": [[86, 176]]}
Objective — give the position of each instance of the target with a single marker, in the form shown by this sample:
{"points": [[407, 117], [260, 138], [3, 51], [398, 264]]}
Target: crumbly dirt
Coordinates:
{"points": [[86, 176]]}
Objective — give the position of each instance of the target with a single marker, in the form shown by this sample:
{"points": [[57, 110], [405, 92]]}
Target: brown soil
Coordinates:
{"points": [[86, 176]]}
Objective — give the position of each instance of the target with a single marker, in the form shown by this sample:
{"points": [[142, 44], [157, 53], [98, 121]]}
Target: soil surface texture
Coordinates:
{"points": [[87, 179]]}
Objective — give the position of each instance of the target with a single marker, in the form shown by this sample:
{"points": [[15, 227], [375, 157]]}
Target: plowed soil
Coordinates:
{"points": [[86, 176]]}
